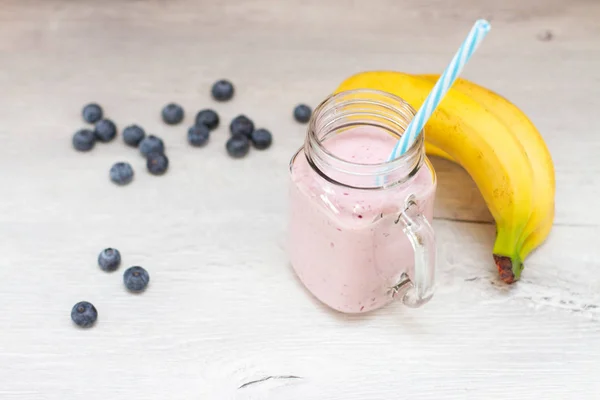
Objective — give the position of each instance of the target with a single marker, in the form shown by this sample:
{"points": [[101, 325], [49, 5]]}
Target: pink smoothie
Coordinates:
{"points": [[344, 244]]}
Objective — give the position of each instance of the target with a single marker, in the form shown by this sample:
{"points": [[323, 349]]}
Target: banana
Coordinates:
{"points": [[538, 236], [542, 215], [473, 136], [432, 150]]}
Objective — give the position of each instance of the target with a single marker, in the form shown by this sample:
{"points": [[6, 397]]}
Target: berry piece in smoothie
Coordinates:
{"points": [[238, 146], [157, 163], [172, 114], [198, 135], [84, 314], [261, 139], [84, 140], [302, 113], [241, 125], [151, 144], [133, 135], [121, 173], [105, 130], [222, 90], [92, 113], [136, 279], [208, 118], [109, 259]]}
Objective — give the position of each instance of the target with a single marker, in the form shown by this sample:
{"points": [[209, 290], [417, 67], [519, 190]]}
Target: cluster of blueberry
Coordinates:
{"points": [[135, 279], [243, 134], [121, 173]]}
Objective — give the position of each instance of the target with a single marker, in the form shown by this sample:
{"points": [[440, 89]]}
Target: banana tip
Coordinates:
{"points": [[505, 268]]}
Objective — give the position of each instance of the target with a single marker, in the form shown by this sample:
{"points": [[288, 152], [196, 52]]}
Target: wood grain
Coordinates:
{"points": [[223, 308]]}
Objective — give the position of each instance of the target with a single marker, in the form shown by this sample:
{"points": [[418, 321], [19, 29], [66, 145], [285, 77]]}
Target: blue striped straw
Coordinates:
{"points": [[464, 53]]}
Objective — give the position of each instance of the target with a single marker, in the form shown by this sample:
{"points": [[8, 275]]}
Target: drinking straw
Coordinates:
{"points": [[464, 53]]}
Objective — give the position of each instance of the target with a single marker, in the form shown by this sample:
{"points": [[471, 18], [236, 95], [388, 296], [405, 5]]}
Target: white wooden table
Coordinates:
{"points": [[223, 308]]}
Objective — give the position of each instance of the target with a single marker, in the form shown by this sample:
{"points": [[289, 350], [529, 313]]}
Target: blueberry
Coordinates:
{"points": [[151, 144], [238, 146], [133, 135], [222, 90], [109, 259], [92, 113], [157, 163], [84, 140], [105, 130], [261, 138], [208, 118], [172, 114], [84, 314], [121, 173], [198, 135], [241, 125], [136, 279], [302, 113]]}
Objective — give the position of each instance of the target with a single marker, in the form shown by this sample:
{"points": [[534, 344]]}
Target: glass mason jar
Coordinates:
{"points": [[359, 231]]}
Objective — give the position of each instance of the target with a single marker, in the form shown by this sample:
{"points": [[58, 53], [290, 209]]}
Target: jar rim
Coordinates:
{"points": [[312, 131], [377, 108]]}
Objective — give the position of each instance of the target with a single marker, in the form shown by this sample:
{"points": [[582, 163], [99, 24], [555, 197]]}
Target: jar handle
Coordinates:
{"points": [[419, 290]]}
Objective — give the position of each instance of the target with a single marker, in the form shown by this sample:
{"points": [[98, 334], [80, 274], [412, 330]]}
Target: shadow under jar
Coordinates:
{"points": [[359, 231]]}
